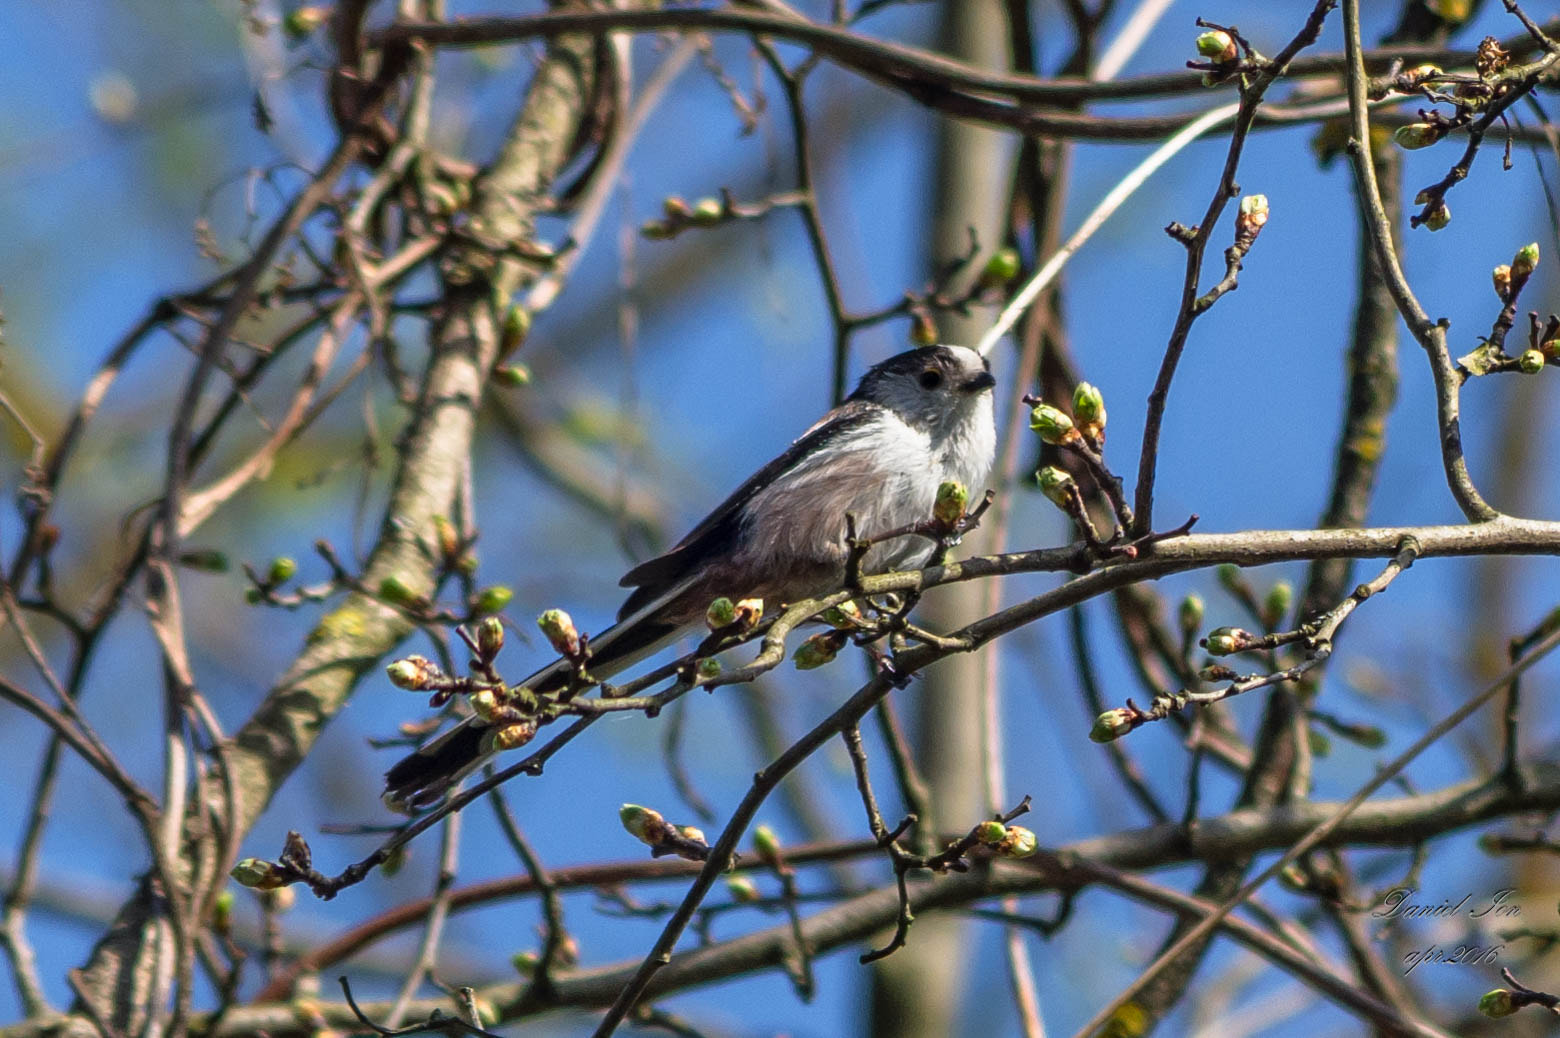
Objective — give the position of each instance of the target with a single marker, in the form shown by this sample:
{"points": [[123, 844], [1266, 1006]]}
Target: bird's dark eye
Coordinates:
{"points": [[931, 378]]}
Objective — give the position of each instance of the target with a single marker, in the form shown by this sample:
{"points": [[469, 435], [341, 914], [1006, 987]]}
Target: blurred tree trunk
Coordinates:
{"points": [[915, 991]]}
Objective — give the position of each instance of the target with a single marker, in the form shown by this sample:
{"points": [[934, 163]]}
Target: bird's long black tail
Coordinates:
{"points": [[425, 776]]}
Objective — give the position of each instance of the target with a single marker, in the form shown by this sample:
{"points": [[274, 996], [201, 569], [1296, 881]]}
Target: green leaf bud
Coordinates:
{"points": [[1089, 407], [1018, 843], [1496, 1004], [721, 614], [1052, 424], [1414, 136], [952, 497], [1111, 725], [491, 599], [990, 833], [1057, 485]]}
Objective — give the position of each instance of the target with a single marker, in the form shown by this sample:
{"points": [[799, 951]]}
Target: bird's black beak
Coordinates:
{"points": [[985, 380]]}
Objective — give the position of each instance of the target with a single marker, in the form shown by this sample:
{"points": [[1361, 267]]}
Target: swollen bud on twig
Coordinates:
{"points": [[300, 22], [1276, 605], [222, 913], [397, 591], [1500, 277], [559, 630], [1190, 613], [767, 845], [1018, 842], [721, 614], [952, 497], [1222, 641], [1217, 46], [1111, 725], [1531, 362], [1251, 218], [749, 612], [1002, 267], [819, 650], [846, 616], [509, 737], [512, 375], [491, 599], [707, 212], [1089, 409], [1057, 485], [413, 673], [281, 571], [1052, 424], [1414, 136], [923, 328], [742, 890], [1525, 261], [708, 668], [1496, 1004], [484, 702], [517, 325], [258, 874], [490, 636], [990, 833], [1438, 217], [525, 963]]}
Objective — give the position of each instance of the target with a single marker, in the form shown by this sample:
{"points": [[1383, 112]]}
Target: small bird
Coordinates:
{"points": [[915, 421]]}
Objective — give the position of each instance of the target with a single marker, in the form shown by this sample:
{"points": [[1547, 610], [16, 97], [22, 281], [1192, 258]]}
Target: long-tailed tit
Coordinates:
{"points": [[915, 421]]}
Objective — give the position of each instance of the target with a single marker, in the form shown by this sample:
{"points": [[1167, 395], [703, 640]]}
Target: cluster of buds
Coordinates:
{"points": [[649, 827], [706, 212], [952, 499], [819, 649], [1251, 217], [1222, 641], [1009, 841]]}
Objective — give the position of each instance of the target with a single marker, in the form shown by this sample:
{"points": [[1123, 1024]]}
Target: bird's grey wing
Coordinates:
{"points": [[718, 533]]}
